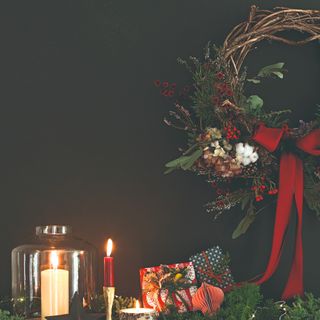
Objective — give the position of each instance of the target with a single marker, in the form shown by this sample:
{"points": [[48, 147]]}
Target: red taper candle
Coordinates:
{"points": [[108, 266]]}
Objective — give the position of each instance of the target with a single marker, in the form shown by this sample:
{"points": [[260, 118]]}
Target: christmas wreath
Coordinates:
{"points": [[249, 156]]}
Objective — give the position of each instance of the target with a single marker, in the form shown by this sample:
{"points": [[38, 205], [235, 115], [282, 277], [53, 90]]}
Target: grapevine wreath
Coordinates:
{"points": [[250, 156]]}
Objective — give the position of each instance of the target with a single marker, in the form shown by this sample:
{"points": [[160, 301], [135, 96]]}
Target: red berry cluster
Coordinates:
{"points": [[167, 89], [232, 132], [258, 192], [259, 188], [273, 191], [220, 75], [223, 89], [262, 188]]}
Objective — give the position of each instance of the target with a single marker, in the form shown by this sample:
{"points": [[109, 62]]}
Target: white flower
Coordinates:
{"points": [[248, 150], [245, 154], [239, 148], [254, 157], [246, 161]]}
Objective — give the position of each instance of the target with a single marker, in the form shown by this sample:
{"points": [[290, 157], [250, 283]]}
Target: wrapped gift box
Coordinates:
{"points": [[212, 266], [168, 286]]}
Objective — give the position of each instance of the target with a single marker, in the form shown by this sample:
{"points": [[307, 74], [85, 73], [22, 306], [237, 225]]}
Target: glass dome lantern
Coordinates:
{"points": [[49, 270]]}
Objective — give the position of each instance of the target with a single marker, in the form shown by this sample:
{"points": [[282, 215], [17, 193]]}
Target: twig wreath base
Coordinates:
{"points": [[249, 156], [266, 25], [220, 120]]}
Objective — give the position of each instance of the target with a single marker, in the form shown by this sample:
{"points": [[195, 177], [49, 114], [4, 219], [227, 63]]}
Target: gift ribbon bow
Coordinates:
{"points": [[290, 188], [169, 289]]}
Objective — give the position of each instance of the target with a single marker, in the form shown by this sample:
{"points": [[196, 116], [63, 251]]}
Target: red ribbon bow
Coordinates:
{"points": [[290, 188]]}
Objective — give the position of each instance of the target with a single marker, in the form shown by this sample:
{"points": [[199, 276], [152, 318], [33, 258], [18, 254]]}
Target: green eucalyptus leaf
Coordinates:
{"points": [[183, 162], [278, 74], [244, 224], [273, 69], [254, 103], [169, 170], [244, 202], [191, 159], [175, 163], [254, 80]]}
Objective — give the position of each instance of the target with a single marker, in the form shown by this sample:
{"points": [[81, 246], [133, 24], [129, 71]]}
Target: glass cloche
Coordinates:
{"points": [[49, 270]]}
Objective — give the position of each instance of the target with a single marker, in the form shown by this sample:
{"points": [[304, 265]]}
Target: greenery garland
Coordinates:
{"points": [[220, 120], [243, 303]]}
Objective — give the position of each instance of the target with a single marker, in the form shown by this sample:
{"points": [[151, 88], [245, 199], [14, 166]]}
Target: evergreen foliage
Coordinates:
{"points": [[243, 303]]}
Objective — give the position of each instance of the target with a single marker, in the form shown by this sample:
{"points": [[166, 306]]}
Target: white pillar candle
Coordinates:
{"points": [[54, 289]]}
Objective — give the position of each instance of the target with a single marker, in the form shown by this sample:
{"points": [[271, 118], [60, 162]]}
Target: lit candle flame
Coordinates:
{"points": [[137, 304], [54, 259], [109, 247]]}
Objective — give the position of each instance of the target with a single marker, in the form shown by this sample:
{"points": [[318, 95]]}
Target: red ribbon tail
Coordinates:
{"points": [[284, 203], [290, 184], [294, 286]]}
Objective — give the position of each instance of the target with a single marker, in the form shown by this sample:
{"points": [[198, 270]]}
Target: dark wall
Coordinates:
{"points": [[83, 143]]}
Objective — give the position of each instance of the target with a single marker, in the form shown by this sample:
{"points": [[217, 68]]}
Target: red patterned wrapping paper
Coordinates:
{"points": [[156, 296]]}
